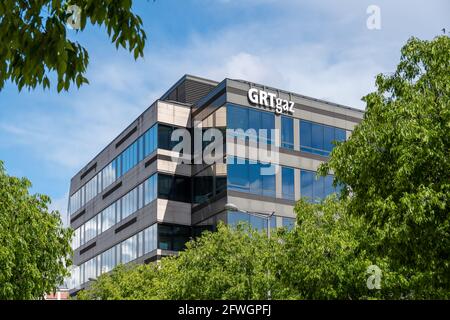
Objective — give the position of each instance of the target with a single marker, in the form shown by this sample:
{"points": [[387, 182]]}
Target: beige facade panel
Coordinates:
{"points": [[174, 114], [174, 212], [170, 167]]}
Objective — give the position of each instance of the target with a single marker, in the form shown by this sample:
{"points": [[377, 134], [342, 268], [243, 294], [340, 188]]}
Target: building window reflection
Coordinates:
{"points": [[318, 138]]}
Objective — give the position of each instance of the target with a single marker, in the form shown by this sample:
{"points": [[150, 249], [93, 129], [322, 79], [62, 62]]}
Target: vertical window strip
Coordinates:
{"points": [[133, 201], [128, 250], [318, 138], [124, 162]]}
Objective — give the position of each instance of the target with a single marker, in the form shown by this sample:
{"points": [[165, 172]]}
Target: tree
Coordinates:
{"points": [[34, 42], [396, 166], [324, 256], [125, 282], [231, 263], [34, 246]]}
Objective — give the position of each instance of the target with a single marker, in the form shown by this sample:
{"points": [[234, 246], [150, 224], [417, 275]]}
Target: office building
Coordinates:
{"points": [[140, 199]]}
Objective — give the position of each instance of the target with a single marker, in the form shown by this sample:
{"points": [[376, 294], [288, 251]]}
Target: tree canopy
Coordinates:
{"points": [[34, 42], [396, 166], [34, 245], [226, 264]]}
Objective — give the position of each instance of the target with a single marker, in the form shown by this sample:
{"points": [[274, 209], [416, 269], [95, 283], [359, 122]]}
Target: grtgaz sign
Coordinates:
{"points": [[270, 100]]}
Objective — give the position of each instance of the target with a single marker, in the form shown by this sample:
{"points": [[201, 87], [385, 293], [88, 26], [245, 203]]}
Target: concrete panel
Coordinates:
{"points": [[174, 212], [296, 134], [297, 184]]}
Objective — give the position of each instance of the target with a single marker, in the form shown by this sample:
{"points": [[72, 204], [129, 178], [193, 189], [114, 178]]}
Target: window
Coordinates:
{"points": [[203, 185], [287, 180], [91, 189], [109, 174], [288, 223], [221, 183], [237, 117], [150, 189], [316, 188], [249, 118], [76, 239], [254, 177], [268, 180], [150, 235], [75, 280], [256, 222], [117, 211], [150, 140], [90, 229], [176, 188], [238, 175], [90, 269], [129, 249], [129, 203], [165, 137], [287, 132], [268, 124], [82, 234], [108, 260], [75, 201], [173, 237], [318, 139], [108, 217], [306, 184], [247, 176], [129, 157]]}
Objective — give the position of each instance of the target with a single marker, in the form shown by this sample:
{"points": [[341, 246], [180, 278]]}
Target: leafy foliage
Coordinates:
{"points": [[34, 246], [226, 264], [34, 41], [324, 256], [396, 165]]}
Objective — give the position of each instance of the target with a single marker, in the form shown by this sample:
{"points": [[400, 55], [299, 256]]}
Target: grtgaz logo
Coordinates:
{"points": [[270, 100]]}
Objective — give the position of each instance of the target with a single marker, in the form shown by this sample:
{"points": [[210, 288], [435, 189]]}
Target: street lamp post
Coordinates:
{"points": [[268, 217]]}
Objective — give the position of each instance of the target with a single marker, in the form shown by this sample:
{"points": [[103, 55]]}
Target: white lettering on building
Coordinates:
{"points": [[270, 100]]}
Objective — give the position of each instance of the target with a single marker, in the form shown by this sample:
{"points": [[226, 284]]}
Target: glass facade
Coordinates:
{"points": [[247, 177], [129, 203], [165, 137], [256, 222], [318, 138], [126, 251], [203, 184], [288, 223], [116, 212], [108, 217], [249, 118], [128, 159], [173, 237], [316, 188], [287, 183], [176, 188], [287, 132]]}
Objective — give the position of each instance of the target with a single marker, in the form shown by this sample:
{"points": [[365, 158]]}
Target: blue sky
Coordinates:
{"points": [[317, 48]]}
